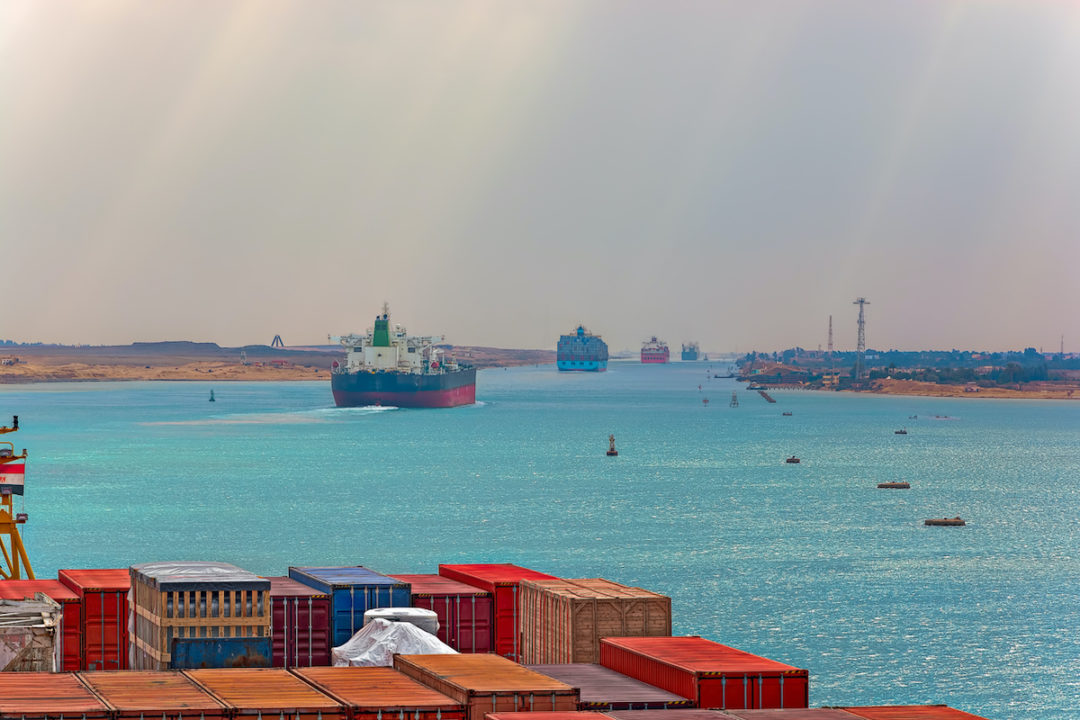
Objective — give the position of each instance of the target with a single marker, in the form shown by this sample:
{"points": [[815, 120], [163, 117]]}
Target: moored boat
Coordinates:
{"points": [[654, 351]]}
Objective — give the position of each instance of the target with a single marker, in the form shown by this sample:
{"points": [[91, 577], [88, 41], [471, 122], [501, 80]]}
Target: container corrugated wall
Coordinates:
{"points": [[911, 712], [271, 692], [381, 693], [299, 624], [158, 695], [353, 590], [464, 611], [710, 674], [562, 621], [603, 689], [103, 593], [580, 715], [488, 683], [502, 581], [39, 696], [69, 639]]}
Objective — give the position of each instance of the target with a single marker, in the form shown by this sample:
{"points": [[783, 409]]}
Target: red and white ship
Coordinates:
{"points": [[654, 351]]}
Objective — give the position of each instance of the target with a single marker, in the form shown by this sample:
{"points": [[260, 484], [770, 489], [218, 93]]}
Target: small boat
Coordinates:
{"points": [[729, 375], [787, 414], [212, 396], [705, 401], [901, 431], [753, 386], [793, 460], [612, 452], [951, 522], [894, 486]]}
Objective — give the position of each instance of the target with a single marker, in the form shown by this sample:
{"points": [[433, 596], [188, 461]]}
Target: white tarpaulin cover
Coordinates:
{"points": [[377, 642]]}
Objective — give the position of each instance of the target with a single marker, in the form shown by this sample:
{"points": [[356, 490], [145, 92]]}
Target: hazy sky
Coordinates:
{"points": [[730, 172]]}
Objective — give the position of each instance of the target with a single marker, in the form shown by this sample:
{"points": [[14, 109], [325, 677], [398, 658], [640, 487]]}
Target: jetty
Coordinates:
{"points": [[768, 398]]}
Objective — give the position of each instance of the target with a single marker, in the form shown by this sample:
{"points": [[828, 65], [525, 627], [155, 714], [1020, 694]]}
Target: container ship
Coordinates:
{"points": [[691, 352], [582, 351], [654, 351], [387, 367]]}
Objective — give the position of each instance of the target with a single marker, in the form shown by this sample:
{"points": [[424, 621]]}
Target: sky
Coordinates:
{"points": [[499, 171]]}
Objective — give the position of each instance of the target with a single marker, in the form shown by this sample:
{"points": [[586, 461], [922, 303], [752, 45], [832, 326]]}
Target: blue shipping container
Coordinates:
{"points": [[354, 591], [193, 653]]}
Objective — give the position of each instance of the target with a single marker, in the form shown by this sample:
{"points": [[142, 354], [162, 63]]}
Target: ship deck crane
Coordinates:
{"points": [[15, 564]]}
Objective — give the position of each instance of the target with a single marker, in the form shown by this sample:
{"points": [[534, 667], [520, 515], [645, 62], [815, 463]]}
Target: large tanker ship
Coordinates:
{"points": [[387, 367], [654, 351], [582, 351]]}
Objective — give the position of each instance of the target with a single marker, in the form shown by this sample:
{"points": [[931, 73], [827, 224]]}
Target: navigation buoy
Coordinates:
{"points": [[212, 396], [612, 452]]}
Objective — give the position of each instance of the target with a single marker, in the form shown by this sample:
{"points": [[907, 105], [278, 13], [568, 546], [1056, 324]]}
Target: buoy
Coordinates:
{"points": [[792, 460], [612, 452], [705, 402], [212, 396]]}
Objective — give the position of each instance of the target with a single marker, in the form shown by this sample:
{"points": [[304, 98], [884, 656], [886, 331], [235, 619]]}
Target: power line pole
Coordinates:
{"points": [[830, 343], [860, 348]]}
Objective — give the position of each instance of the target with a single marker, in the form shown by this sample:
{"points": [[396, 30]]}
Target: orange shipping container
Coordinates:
{"points": [[381, 693], [161, 695], [488, 683], [255, 692], [562, 621], [911, 712], [583, 715], [38, 696]]}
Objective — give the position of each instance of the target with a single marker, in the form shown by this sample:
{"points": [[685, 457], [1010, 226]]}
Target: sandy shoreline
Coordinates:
{"points": [[208, 371], [1028, 391]]}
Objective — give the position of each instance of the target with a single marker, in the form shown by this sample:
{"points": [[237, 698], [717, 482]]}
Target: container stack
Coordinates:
{"points": [[382, 693], [562, 621], [503, 582], [603, 689], [299, 624], [134, 695], [68, 635], [267, 692], [353, 591], [488, 683], [710, 674], [103, 594], [464, 611], [42, 695], [198, 614]]}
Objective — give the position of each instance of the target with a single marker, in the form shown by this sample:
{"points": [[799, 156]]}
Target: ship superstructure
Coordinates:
{"points": [[582, 351], [691, 351], [388, 367], [654, 351]]}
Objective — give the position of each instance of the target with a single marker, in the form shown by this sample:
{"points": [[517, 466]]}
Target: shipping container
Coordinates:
{"points": [[195, 601], [562, 621], [710, 674], [603, 689], [268, 692], [793, 714], [104, 615], [502, 581], [42, 695], [686, 714], [488, 683], [381, 693], [141, 695], [353, 591], [911, 712], [29, 631], [464, 610], [577, 715], [299, 624], [69, 635], [193, 653]]}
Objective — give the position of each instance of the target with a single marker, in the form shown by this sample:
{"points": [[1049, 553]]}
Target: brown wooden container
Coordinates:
{"points": [[42, 695], [158, 695], [258, 692], [193, 600], [562, 621], [381, 693], [488, 683]]}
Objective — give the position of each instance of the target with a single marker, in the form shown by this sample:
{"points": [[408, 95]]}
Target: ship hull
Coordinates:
{"points": [[654, 358], [405, 390], [582, 365]]}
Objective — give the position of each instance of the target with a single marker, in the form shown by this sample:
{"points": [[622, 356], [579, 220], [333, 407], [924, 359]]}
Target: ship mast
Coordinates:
{"points": [[15, 562]]}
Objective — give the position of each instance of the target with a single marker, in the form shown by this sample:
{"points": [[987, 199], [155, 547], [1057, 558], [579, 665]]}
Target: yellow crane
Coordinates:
{"points": [[12, 475]]}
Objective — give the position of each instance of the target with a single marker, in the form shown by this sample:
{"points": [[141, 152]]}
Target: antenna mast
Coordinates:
{"points": [[860, 349], [830, 343]]}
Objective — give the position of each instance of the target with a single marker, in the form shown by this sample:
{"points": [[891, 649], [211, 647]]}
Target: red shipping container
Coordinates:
{"points": [[676, 714], [381, 693], [69, 648], [572, 715], [269, 692], [793, 714], [911, 712], [104, 615], [710, 674], [501, 580], [40, 696], [160, 695], [299, 624], [464, 611]]}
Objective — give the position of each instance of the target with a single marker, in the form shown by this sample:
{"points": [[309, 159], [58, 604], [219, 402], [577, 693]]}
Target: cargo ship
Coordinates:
{"points": [[690, 352], [654, 351], [387, 367], [582, 351]]}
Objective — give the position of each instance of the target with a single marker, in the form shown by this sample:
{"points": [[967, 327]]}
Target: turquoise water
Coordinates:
{"points": [[809, 564]]}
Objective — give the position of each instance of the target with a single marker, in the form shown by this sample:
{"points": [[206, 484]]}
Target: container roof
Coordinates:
{"points": [[346, 575], [32, 693], [97, 579], [698, 655], [263, 689], [25, 589], [287, 587], [198, 575], [485, 673], [439, 585], [151, 692], [911, 712], [599, 684], [494, 573], [375, 688]]}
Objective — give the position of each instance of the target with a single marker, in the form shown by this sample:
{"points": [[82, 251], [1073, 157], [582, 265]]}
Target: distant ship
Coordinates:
{"points": [[654, 351], [387, 367], [582, 351], [690, 352]]}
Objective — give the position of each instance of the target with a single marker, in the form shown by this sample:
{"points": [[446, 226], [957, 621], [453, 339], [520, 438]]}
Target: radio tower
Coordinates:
{"points": [[830, 343], [860, 349]]}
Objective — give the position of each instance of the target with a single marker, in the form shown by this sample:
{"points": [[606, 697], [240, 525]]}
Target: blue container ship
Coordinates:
{"points": [[582, 351]]}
